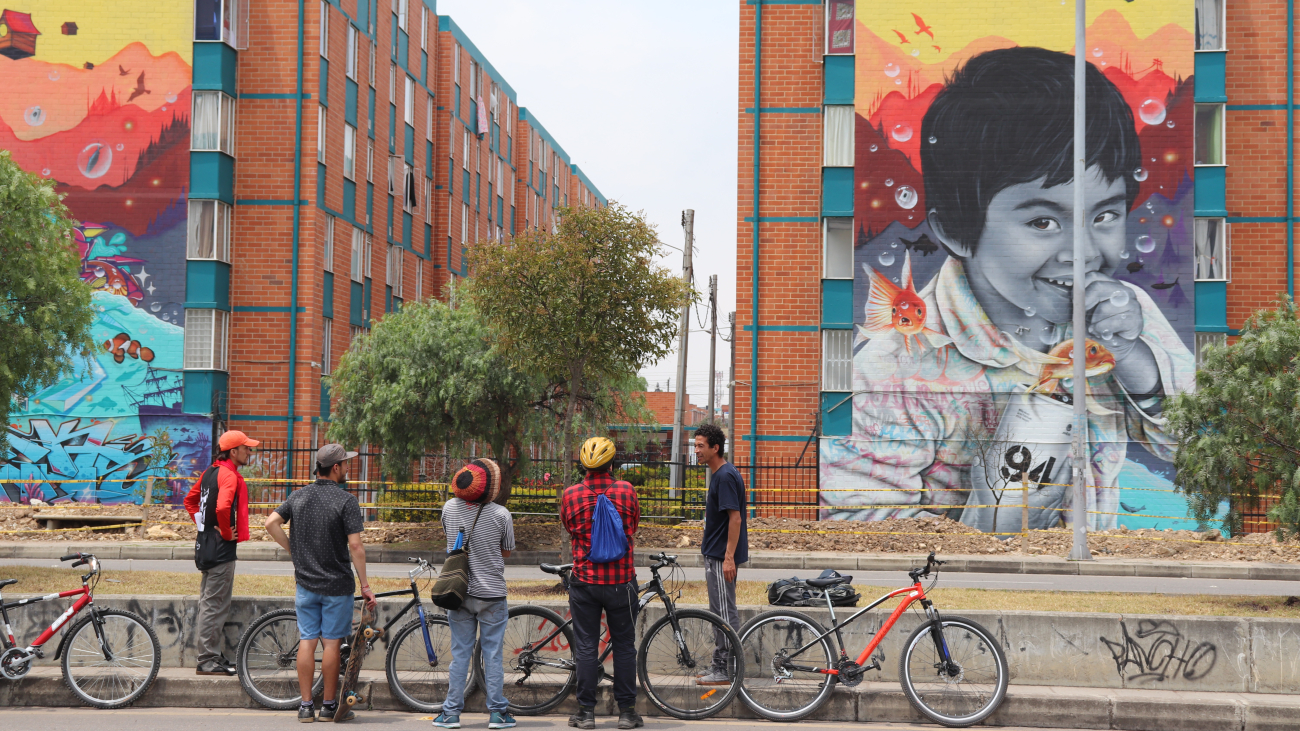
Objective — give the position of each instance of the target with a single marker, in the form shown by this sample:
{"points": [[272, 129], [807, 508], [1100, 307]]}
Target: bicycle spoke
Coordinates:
{"points": [[410, 669], [966, 688], [537, 662], [770, 684], [103, 681], [672, 667]]}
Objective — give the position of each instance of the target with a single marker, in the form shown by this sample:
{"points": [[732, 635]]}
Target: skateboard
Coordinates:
{"points": [[364, 634]]}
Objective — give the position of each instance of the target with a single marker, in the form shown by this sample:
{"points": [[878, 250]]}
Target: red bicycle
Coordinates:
{"points": [[952, 670], [110, 657]]}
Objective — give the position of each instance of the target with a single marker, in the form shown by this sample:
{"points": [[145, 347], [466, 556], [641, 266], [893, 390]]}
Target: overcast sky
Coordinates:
{"points": [[642, 96]]}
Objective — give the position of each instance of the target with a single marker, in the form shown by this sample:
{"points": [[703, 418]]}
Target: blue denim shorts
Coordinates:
{"points": [[324, 617]]}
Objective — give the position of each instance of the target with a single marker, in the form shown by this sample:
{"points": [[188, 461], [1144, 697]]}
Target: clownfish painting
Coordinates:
{"points": [[891, 308]]}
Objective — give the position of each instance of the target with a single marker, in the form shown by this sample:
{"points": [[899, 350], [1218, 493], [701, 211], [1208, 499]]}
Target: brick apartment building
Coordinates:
{"points": [[851, 163], [258, 182]]}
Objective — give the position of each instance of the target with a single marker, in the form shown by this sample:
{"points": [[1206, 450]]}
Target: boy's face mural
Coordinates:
{"points": [[1022, 269]]}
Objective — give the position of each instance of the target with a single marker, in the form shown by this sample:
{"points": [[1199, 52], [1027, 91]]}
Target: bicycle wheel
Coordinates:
{"points": [[771, 688], [963, 693], [112, 666], [538, 675], [267, 661], [418, 679], [668, 663]]}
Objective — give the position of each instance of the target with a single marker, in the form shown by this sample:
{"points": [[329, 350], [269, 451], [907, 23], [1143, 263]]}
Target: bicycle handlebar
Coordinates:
{"points": [[931, 563], [71, 556]]}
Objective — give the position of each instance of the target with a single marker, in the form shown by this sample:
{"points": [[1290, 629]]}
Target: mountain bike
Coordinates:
{"points": [[540, 671], [952, 670], [110, 657], [419, 655]]}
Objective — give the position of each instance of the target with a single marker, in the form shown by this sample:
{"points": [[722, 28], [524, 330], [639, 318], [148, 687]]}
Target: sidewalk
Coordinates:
{"points": [[1003, 564], [1025, 706]]}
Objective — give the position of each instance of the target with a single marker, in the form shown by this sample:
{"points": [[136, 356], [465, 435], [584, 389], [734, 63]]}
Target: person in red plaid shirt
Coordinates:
{"points": [[602, 587]]}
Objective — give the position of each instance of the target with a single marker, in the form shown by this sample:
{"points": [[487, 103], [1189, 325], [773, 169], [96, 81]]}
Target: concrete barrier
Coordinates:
{"points": [[1215, 654]]}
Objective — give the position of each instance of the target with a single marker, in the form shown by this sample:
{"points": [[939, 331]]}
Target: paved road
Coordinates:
{"points": [[1024, 582], [170, 719]]}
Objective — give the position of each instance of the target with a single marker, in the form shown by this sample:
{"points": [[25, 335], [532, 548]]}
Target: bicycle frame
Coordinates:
{"points": [[7, 641], [910, 594]]}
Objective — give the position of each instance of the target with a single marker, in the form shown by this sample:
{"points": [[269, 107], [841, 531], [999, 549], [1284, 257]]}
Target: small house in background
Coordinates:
{"points": [[69, 28], [17, 35]]}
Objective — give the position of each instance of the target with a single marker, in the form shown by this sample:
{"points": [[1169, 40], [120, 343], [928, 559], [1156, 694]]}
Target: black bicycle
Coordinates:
{"points": [[540, 671], [419, 655]]}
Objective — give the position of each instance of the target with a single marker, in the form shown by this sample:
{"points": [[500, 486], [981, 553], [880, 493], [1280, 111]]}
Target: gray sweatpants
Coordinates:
{"points": [[214, 607], [722, 602]]}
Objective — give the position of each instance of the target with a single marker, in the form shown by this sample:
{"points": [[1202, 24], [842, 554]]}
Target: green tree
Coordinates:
{"points": [[1238, 435], [45, 309], [428, 375], [585, 307]]}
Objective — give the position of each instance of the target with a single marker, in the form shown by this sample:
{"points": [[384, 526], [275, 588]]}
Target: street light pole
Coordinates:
{"points": [[677, 455], [1079, 429]]}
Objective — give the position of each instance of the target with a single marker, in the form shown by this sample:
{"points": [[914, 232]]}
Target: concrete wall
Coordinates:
{"points": [[1225, 654]]}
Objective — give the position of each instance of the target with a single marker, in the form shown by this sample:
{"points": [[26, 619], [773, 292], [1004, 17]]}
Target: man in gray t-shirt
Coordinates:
{"points": [[483, 614]]}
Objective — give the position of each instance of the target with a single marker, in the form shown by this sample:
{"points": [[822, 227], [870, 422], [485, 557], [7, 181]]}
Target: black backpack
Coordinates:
{"points": [[795, 592]]}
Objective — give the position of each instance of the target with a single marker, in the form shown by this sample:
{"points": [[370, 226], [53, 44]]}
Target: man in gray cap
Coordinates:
{"points": [[324, 527]]}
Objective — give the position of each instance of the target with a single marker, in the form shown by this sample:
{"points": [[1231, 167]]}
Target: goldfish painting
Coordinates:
{"points": [[895, 309], [1096, 361]]}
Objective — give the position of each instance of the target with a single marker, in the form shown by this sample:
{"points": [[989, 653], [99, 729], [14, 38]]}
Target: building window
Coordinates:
{"points": [[424, 28], [205, 339], [464, 223], [372, 65], [370, 162], [837, 136], [837, 360], [419, 279], [409, 102], [402, 13], [349, 152], [464, 150], [222, 20], [358, 252], [1207, 339], [411, 187], [326, 345], [320, 134], [1209, 25], [352, 53], [209, 231], [213, 122], [366, 256], [354, 332], [329, 243], [324, 29], [1209, 134], [392, 83], [837, 256], [839, 26], [455, 65], [394, 266], [1213, 250]]}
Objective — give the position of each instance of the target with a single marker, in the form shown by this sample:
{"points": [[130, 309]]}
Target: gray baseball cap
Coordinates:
{"points": [[331, 454]]}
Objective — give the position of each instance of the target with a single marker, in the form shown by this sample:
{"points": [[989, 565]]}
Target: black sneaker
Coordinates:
{"points": [[629, 718], [585, 718], [214, 667], [306, 714], [344, 713]]}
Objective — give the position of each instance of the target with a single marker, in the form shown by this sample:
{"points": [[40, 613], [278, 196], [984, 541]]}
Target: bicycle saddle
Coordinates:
{"points": [[823, 582], [552, 568], [7, 582]]}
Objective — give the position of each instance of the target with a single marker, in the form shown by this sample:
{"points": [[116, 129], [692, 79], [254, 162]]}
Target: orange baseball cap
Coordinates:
{"points": [[232, 439]]}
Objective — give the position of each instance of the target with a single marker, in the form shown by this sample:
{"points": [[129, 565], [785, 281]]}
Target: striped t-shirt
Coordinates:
{"points": [[494, 533]]}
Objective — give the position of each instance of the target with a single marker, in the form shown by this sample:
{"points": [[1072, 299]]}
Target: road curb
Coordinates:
{"points": [[758, 559], [1025, 706]]}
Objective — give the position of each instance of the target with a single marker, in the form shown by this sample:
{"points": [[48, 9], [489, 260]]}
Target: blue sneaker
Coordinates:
{"points": [[501, 720], [445, 721]]}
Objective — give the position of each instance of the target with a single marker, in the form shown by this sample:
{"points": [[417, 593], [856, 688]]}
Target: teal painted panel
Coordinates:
{"points": [[837, 191], [428, 240], [327, 295], [424, 67], [370, 122], [349, 200], [1211, 191], [1211, 305], [320, 183], [324, 82], [1211, 76], [407, 222], [408, 150], [402, 41], [388, 298], [428, 160], [370, 202], [350, 102], [324, 400], [392, 129], [214, 67], [207, 285], [838, 79], [200, 386], [837, 302], [837, 418], [212, 175], [365, 299], [363, 16], [356, 311]]}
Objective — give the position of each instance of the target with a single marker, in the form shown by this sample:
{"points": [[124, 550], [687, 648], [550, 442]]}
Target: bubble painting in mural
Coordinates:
{"points": [[81, 110], [962, 355]]}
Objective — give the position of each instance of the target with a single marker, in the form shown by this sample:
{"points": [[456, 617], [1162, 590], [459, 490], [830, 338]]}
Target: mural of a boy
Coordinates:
{"points": [[998, 174]]}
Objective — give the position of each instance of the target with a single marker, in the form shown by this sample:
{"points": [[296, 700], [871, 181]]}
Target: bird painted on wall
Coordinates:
{"points": [[139, 88], [901, 38], [921, 27], [121, 71]]}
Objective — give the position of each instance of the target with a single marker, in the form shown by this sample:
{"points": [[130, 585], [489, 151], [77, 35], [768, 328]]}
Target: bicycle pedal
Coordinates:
{"points": [[875, 665]]}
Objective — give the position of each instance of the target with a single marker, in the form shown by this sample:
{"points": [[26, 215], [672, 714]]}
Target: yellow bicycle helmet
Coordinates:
{"points": [[596, 453]]}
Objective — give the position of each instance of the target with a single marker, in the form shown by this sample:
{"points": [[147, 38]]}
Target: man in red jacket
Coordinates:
{"points": [[218, 505]]}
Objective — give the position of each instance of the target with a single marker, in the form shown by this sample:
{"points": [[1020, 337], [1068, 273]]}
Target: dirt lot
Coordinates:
{"points": [[766, 534]]}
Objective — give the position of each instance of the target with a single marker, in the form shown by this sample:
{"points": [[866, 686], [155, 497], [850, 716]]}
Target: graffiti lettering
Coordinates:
{"points": [[1159, 653], [73, 452]]}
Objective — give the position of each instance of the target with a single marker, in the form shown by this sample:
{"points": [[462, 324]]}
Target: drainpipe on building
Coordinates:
{"points": [[297, 210], [1290, 148], [753, 356]]}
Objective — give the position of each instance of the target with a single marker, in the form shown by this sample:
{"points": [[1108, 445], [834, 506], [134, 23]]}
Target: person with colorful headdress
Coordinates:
{"points": [[486, 530]]}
